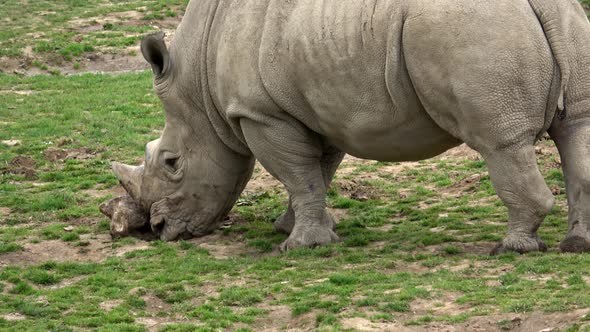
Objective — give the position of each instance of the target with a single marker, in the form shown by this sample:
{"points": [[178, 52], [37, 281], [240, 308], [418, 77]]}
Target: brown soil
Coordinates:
{"points": [[535, 322], [60, 155], [262, 181], [153, 324], [98, 249], [356, 190], [5, 212], [21, 165], [11, 317], [223, 246]]}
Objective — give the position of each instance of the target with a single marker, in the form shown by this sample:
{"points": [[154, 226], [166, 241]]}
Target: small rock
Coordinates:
{"points": [[69, 228], [473, 179], [549, 329], [11, 142], [555, 190], [360, 196]]}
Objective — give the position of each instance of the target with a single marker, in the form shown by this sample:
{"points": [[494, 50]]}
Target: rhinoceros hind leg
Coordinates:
{"points": [[329, 163], [574, 147], [520, 185]]}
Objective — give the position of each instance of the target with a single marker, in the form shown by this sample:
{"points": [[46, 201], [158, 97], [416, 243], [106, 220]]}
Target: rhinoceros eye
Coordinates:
{"points": [[172, 163]]}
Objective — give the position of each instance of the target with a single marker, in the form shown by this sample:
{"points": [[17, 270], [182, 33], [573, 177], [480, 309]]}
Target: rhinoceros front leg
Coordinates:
{"points": [[574, 146], [329, 163], [292, 153], [520, 185]]}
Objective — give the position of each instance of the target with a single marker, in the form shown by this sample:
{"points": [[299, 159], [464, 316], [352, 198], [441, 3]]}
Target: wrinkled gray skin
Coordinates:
{"points": [[296, 84]]}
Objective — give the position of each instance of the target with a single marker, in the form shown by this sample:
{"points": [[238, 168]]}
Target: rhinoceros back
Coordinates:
{"points": [[337, 66]]}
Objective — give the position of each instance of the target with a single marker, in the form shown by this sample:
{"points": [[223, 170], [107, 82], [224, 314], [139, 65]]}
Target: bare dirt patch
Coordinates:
{"points": [[67, 282], [278, 317], [305, 322], [262, 181], [441, 305], [356, 190], [60, 155], [21, 165], [97, 248], [482, 248], [535, 322], [153, 324], [17, 92], [110, 305], [365, 325], [223, 247], [103, 58], [459, 188], [5, 212], [11, 317], [461, 152], [155, 305], [54, 250]]}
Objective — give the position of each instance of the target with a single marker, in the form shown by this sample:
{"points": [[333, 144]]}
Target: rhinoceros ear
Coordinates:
{"points": [[155, 52]]}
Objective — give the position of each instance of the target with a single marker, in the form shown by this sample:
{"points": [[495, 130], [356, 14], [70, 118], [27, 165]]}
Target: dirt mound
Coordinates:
{"points": [[21, 165], [356, 190]]}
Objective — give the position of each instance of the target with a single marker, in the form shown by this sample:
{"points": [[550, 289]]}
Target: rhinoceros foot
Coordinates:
{"points": [[125, 215], [519, 244], [286, 222], [575, 244], [309, 237]]}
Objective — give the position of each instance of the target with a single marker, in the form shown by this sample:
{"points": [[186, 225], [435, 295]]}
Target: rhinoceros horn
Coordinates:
{"points": [[130, 177]]}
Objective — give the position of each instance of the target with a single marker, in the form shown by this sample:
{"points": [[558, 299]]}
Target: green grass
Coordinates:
{"points": [[113, 116], [60, 32], [415, 237], [415, 246]]}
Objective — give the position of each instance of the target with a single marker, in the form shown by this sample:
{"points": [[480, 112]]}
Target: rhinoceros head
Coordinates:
{"points": [[190, 179]]}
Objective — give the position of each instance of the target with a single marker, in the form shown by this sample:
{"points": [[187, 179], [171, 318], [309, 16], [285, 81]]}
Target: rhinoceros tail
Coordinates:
{"points": [[547, 12]]}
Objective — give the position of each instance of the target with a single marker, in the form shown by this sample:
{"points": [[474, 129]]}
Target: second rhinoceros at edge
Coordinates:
{"points": [[297, 84]]}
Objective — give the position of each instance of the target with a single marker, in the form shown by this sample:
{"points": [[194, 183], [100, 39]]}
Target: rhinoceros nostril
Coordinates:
{"points": [[158, 224]]}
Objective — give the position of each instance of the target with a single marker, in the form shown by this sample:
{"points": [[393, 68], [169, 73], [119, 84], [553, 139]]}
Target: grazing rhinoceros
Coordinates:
{"points": [[296, 84]]}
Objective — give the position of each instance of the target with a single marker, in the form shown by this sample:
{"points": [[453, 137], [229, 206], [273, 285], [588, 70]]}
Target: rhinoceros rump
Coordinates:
{"points": [[296, 84]]}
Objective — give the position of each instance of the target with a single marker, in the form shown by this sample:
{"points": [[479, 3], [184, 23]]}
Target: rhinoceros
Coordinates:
{"points": [[296, 84]]}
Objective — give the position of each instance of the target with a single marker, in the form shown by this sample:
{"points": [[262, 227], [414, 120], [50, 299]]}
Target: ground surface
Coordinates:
{"points": [[415, 235]]}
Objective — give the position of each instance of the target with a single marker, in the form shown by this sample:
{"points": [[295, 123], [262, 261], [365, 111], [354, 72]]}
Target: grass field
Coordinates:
{"points": [[416, 236]]}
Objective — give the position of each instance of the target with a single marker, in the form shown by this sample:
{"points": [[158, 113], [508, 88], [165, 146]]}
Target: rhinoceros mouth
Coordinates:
{"points": [[169, 229]]}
